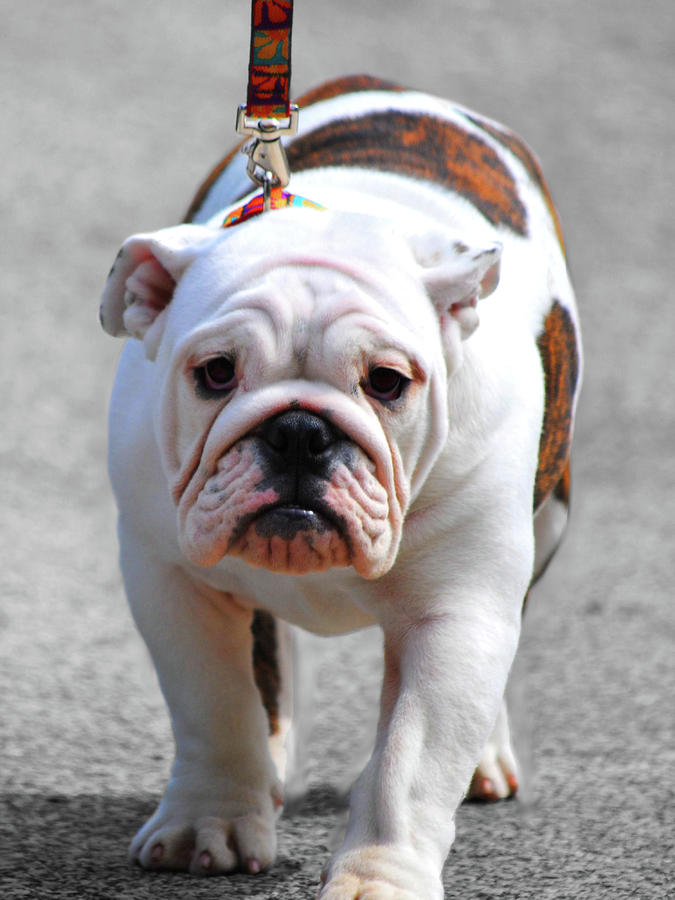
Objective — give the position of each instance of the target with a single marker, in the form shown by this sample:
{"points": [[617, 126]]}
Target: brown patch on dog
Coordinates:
{"points": [[412, 144], [560, 360], [351, 84], [266, 665], [562, 488], [420, 146], [521, 151]]}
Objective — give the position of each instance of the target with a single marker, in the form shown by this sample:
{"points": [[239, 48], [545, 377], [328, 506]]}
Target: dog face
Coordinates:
{"points": [[301, 363]]}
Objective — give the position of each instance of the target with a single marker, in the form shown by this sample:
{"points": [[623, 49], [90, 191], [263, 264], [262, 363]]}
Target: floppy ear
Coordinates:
{"points": [[456, 276], [143, 278]]}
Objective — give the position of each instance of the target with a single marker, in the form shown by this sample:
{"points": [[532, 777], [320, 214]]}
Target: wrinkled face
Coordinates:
{"points": [[300, 412], [295, 494]]}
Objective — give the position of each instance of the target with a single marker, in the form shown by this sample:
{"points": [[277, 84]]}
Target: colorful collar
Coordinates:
{"points": [[278, 200]]}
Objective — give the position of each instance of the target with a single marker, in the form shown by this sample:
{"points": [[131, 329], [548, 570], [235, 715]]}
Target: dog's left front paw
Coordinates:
{"points": [[351, 887], [378, 873]]}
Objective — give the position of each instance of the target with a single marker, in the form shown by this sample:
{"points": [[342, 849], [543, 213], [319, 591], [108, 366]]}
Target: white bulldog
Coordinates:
{"points": [[310, 430]]}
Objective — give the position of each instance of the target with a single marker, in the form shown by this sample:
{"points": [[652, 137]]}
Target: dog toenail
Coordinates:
{"points": [[206, 860], [253, 866], [157, 853]]}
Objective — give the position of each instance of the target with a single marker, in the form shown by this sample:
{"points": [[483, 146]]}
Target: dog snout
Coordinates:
{"points": [[300, 439]]}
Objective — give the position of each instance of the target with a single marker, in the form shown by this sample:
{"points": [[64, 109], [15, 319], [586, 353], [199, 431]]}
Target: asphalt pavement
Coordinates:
{"points": [[111, 115]]}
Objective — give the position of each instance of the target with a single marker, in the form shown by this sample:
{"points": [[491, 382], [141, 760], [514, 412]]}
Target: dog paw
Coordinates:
{"points": [[496, 776], [378, 873], [351, 887], [209, 837]]}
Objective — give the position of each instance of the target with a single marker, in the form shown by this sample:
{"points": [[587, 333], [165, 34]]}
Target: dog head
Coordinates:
{"points": [[300, 372]]}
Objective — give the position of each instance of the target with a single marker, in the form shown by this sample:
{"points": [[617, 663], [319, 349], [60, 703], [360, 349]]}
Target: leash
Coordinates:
{"points": [[268, 113]]}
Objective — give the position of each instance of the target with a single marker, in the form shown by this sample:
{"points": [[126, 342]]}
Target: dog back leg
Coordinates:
{"points": [[549, 524], [271, 677], [496, 776], [285, 673]]}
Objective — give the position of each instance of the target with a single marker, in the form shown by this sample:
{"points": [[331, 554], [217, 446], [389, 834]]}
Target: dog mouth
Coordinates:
{"points": [[292, 539], [287, 520]]}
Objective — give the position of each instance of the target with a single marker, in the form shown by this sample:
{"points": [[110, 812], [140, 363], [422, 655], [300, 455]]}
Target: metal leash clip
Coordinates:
{"points": [[267, 162]]}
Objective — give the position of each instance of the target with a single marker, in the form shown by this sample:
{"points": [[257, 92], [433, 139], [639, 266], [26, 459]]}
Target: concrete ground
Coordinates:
{"points": [[111, 115]]}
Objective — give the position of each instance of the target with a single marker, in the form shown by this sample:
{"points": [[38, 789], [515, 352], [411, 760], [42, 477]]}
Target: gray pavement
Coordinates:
{"points": [[111, 115]]}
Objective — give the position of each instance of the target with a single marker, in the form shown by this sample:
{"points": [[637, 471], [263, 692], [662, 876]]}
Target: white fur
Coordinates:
{"points": [[308, 299]]}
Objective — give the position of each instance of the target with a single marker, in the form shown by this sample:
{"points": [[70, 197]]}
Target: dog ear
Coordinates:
{"points": [[143, 278], [456, 276]]}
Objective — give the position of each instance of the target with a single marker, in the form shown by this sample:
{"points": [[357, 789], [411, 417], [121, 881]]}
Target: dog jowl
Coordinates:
{"points": [[346, 412]]}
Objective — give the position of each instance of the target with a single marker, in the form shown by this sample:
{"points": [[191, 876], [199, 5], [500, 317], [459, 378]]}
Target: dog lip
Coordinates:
{"points": [[293, 510], [286, 520]]}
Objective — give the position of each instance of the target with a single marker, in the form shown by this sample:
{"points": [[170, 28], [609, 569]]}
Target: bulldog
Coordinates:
{"points": [[353, 410]]}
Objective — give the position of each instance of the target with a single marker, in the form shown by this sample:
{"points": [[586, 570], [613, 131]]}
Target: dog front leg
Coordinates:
{"points": [[444, 679], [219, 810]]}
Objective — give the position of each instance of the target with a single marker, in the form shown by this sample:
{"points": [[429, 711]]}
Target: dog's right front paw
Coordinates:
{"points": [[207, 836]]}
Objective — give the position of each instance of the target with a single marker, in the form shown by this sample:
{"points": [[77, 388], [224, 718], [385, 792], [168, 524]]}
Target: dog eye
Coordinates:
{"points": [[385, 384], [217, 374]]}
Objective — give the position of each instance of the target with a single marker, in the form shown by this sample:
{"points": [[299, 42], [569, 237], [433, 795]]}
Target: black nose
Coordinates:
{"points": [[299, 438]]}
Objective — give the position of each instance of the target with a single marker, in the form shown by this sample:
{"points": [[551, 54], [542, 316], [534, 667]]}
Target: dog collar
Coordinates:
{"points": [[278, 199]]}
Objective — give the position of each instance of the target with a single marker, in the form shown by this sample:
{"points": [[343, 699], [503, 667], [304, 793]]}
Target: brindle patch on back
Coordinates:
{"points": [[420, 146], [560, 359]]}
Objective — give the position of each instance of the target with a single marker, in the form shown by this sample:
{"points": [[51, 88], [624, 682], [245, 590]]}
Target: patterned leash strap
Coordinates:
{"points": [[269, 69], [268, 113]]}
